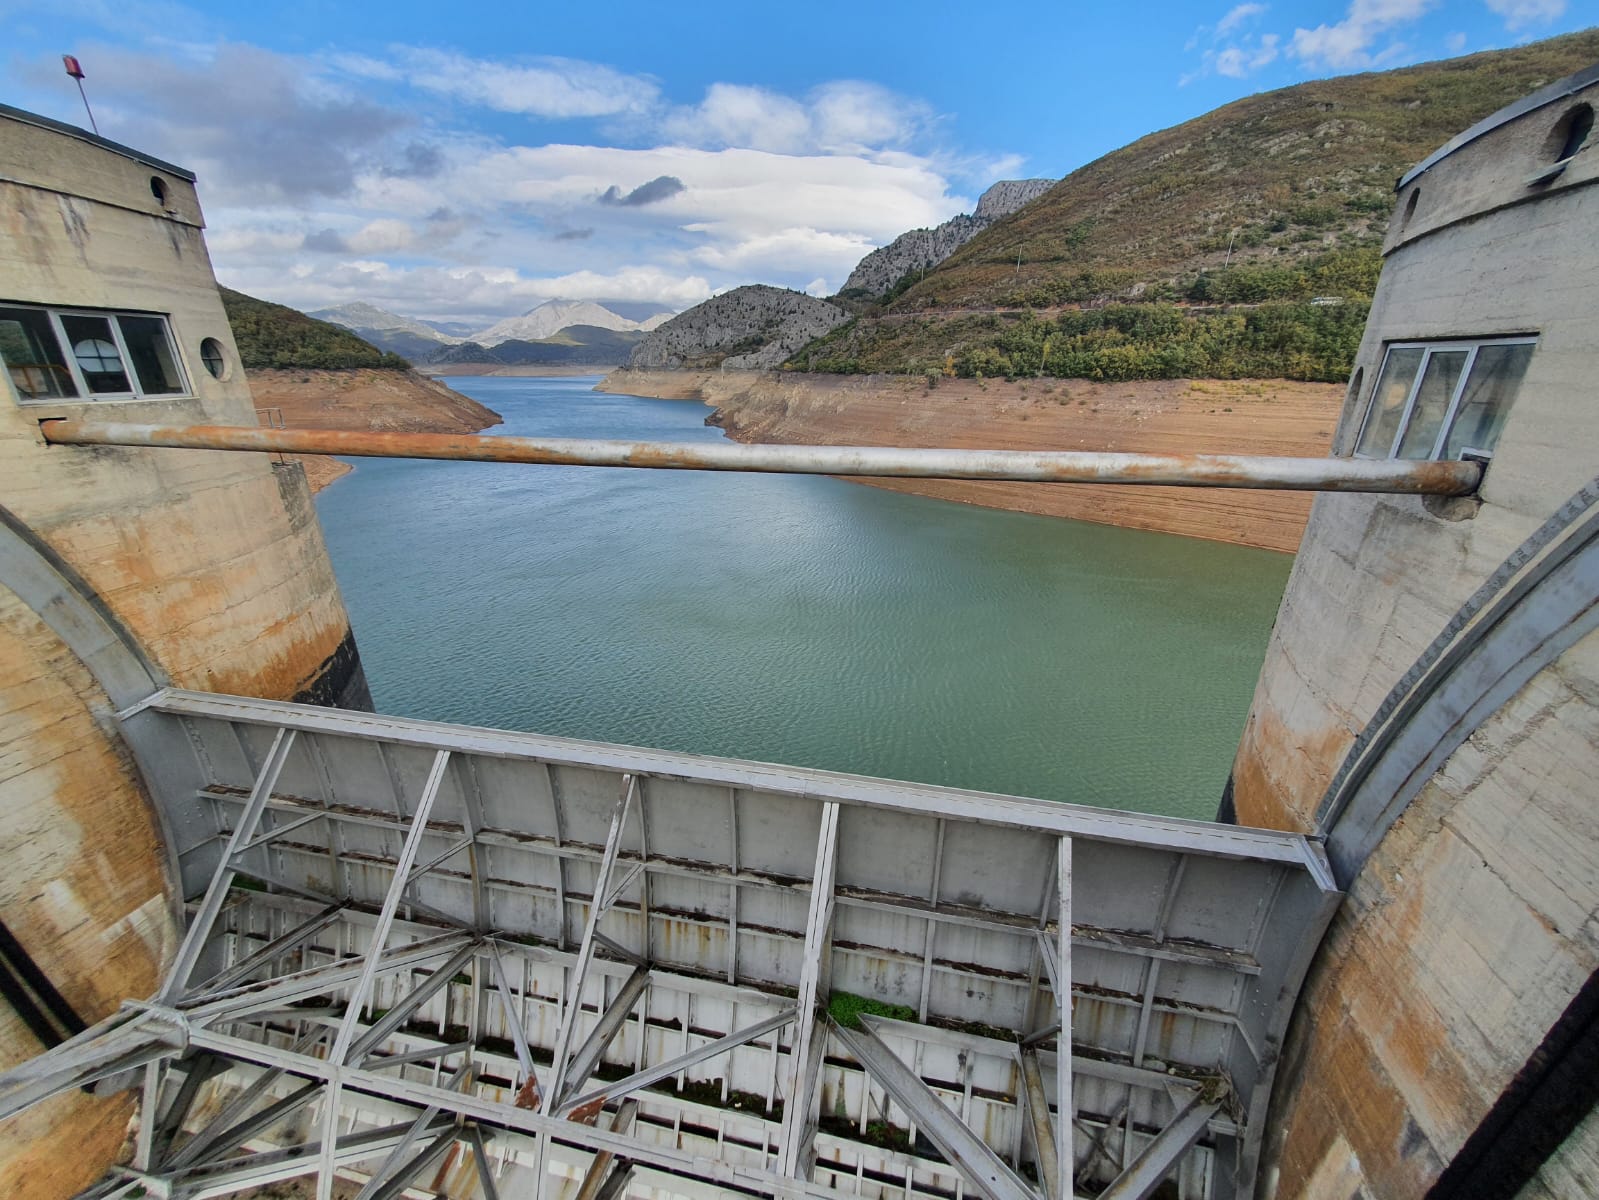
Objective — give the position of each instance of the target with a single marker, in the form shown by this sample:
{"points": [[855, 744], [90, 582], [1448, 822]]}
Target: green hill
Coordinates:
{"points": [[1298, 183], [272, 335]]}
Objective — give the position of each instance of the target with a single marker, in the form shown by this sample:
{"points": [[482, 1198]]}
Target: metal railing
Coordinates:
{"points": [[1029, 466]]}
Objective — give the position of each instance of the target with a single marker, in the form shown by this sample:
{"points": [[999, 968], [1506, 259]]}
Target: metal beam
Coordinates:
{"points": [[485, 1170], [394, 1170], [1036, 1102], [1061, 981], [983, 1170], [273, 950], [799, 784], [1178, 470], [199, 930], [409, 1003], [605, 1166], [239, 1002], [513, 1017], [108, 1048], [229, 1127], [1155, 1162], [585, 953], [814, 970], [665, 1070], [498, 1114], [273, 1166], [339, 1054], [588, 1055]]}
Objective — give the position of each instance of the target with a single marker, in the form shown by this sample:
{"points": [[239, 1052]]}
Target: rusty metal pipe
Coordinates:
{"points": [[1174, 470]]}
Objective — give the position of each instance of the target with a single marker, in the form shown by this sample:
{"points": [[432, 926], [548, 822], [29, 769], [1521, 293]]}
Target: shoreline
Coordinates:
{"points": [[361, 398], [527, 370], [1249, 416]]}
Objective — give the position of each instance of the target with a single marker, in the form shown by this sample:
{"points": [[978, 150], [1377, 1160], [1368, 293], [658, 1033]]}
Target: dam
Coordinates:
{"points": [[257, 932]]}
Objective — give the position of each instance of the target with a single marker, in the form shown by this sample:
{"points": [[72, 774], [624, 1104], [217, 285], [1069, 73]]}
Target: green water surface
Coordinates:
{"points": [[797, 620]]}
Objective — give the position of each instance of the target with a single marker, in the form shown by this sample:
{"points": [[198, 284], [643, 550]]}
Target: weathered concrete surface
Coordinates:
{"points": [[215, 564], [1160, 417], [82, 887], [1470, 928]]}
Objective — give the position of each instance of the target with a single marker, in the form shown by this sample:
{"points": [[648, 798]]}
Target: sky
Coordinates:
{"points": [[468, 161]]}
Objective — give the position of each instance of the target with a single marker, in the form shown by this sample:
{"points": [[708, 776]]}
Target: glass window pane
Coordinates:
{"points": [[96, 352], [1432, 403], [151, 351], [1388, 402], [1495, 376], [32, 355]]}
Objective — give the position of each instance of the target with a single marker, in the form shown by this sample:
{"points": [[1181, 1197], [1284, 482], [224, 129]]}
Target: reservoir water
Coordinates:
{"points": [[796, 619]]}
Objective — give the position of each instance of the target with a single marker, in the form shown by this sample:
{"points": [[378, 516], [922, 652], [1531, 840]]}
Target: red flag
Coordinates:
{"points": [[71, 64]]}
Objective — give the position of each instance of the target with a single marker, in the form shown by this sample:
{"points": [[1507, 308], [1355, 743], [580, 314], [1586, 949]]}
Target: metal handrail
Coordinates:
{"points": [[1176, 470]]}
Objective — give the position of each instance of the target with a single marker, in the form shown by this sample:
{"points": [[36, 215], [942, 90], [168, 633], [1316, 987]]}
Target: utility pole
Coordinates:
{"points": [[1229, 257], [74, 70]]}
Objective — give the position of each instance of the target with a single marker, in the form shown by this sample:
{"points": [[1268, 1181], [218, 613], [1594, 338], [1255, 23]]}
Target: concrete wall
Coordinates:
{"points": [[213, 562], [1469, 930]]}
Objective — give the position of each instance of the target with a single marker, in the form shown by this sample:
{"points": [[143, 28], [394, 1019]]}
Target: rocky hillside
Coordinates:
{"points": [[1297, 183], [749, 328], [274, 335], [309, 374], [921, 250], [405, 336]]}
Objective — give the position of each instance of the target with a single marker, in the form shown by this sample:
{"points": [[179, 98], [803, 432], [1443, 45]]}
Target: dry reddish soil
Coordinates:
{"points": [[1252, 416], [389, 401]]}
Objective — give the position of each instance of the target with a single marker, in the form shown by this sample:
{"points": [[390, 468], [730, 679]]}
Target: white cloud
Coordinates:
{"points": [[543, 87], [1237, 17], [1518, 14], [842, 117], [1231, 52], [332, 178], [382, 236], [1455, 43], [1347, 45], [1238, 62]]}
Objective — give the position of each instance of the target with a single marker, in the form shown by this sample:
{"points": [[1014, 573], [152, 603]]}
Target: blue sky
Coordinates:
{"points": [[467, 161]]}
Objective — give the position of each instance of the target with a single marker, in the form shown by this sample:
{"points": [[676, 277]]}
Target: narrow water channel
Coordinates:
{"points": [[797, 620]]}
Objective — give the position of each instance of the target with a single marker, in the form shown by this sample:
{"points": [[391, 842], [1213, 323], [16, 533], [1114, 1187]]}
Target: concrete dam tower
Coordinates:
{"points": [[213, 565], [1427, 704], [256, 935]]}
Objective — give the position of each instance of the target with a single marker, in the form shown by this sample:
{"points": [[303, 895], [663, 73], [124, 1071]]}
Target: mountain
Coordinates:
{"points": [[578, 345], [273, 335], [553, 316], [1127, 268], [749, 328], [922, 249], [457, 330], [405, 336]]}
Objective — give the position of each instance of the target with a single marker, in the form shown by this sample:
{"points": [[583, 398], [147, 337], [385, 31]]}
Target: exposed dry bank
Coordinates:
{"points": [[1164, 416], [363, 398]]}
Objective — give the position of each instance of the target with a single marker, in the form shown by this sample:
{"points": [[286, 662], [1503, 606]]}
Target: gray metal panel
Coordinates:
{"points": [[1183, 955]]}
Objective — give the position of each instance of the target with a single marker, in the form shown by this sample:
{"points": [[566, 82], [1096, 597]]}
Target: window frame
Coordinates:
{"points": [[1429, 347], [53, 315]]}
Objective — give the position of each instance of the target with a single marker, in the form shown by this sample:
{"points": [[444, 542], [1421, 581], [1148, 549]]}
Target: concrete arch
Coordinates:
{"points": [[1540, 602], [65, 602]]}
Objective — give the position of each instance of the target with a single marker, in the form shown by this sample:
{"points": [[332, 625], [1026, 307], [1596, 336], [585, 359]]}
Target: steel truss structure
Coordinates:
{"points": [[475, 963]]}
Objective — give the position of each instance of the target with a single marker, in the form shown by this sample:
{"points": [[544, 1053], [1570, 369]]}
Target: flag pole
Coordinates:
{"points": [[76, 71]]}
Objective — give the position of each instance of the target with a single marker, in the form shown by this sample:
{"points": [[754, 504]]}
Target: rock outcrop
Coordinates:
{"points": [[750, 328], [924, 249]]}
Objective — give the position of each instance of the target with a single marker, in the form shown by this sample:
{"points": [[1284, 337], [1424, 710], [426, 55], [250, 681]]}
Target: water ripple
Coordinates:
{"points": [[794, 619]]}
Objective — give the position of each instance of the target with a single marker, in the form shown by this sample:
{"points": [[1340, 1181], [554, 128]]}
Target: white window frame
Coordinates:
{"points": [[1429, 348], [64, 345]]}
